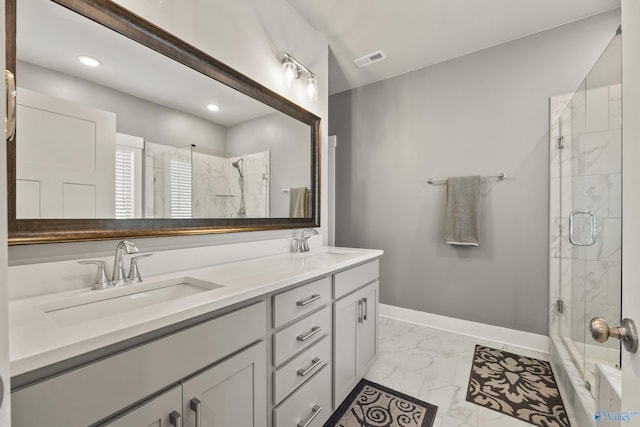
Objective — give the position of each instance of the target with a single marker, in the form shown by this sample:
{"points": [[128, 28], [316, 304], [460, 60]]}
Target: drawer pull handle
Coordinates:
{"points": [[360, 320], [313, 331], [175, 419], [195, 405], [314, 364], [314, 297], [366, 308], [314, 413]]}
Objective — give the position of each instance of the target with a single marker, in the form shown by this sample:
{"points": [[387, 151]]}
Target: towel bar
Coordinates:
{"points": [[500, 177], [286, 190]]}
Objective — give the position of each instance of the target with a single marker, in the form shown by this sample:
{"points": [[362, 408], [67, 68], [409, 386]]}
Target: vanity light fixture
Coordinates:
{"points": [[292, 69], [213, 107], [89, 61], [312, 88]]}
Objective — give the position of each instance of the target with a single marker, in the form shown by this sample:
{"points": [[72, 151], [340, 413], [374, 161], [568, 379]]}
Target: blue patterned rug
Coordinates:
{"points": [[374, 405], [515, 385]]}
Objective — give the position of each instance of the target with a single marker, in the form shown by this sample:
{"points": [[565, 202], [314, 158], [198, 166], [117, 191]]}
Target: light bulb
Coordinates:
{"points": [[213, 107], [312, 88], [290, 71]]}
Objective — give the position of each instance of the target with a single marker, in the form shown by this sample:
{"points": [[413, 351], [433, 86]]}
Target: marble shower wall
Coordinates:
{"points": [[215, 187], [210, 186], [586, 175], [255, 168]]}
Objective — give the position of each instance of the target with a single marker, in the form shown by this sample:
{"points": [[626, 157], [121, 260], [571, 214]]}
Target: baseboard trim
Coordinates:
{"points": [[499, 334]]}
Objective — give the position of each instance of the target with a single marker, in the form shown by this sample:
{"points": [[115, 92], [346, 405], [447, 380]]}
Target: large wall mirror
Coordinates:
{"points": [[123, 130]]}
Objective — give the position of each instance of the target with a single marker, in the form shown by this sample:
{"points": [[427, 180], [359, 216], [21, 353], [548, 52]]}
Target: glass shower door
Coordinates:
{"points": [[601, 166], [575, 222], [590, 204]]}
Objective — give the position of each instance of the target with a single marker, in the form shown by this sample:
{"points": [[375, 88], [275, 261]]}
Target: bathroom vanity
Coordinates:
{"points": [[272, 341]]}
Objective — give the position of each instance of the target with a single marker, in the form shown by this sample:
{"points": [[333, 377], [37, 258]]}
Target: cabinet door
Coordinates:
{"points": [[367, 348], [231, 393], [154, 413], [345, 321]]}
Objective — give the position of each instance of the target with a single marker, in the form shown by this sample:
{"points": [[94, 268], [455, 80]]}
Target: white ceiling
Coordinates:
{"points": [[418, 33], [52, 36]]}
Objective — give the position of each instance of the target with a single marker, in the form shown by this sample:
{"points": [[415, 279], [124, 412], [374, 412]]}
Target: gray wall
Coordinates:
{"points": [[288, 141], [482, 113], [134, 116]]}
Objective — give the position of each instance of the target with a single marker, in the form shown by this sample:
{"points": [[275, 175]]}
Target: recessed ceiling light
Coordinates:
{"points": [[212, 107], [88, 61]]}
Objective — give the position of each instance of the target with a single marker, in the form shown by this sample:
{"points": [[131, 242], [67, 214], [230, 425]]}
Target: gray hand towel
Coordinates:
{"points": [[463, 211], [298, 202]]}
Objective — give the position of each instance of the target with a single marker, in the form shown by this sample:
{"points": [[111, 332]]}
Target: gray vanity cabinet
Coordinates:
{"points": [[355, 319], [233, 393], [284, 359], [367, 334], [301, 355], [224, 356], [160, 411]]}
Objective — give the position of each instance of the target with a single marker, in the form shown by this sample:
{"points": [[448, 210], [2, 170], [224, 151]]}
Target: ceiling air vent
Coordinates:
{"points": [[370, 59]]}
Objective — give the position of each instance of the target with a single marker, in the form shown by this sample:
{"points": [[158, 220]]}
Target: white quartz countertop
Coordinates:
{"points": [[38, 339]]}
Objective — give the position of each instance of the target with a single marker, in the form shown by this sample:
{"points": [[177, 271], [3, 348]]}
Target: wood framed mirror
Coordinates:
{"points": [[130, 149]]}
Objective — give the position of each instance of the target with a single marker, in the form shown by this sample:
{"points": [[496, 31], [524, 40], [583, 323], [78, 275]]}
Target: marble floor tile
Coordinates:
{"points": [[434, 366], [489, 418], [399, 379]]}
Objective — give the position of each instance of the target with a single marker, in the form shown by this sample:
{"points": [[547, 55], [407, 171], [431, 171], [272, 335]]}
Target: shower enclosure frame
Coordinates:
{"points": [[585, 229]]}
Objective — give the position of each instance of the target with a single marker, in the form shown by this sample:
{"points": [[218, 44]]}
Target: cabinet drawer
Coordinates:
{"points": [[300, 369], [296, 302], [352, 279], [300, 335], [313, 397], [100, 389]]}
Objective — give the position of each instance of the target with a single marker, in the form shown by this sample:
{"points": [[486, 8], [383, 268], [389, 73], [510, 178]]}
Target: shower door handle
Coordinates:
{"points": [[592, 234], [626, 332]]}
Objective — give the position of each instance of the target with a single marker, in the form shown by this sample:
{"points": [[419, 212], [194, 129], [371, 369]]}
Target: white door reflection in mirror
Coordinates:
{"points": [[65, 159]]}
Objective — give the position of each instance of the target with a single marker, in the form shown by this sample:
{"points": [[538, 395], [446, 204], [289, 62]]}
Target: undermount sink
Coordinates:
{"points": [[97, 304], [326, 253]]}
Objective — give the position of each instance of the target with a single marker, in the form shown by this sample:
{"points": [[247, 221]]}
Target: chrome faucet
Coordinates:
{"points": [[119, 277], [304, 239]]}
